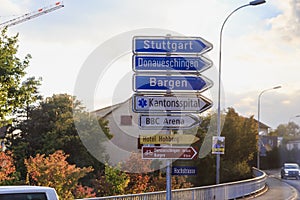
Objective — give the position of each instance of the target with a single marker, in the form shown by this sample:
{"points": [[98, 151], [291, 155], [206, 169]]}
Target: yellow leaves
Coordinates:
{"points": [[55, 171]]}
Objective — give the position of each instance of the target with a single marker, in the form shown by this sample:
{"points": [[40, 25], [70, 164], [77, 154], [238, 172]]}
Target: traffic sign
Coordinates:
{"points": [[184, 170], [155, 63], [170, 44], [168, 121], [182, 153], [175, 104], [168, 139], [164, 83]]}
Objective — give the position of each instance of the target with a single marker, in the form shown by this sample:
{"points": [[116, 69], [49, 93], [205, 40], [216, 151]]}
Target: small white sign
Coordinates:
{"points": [[168, 121]]}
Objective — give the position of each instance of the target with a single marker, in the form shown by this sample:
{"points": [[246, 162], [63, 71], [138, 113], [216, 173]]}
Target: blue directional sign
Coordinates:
{"points": [[156, 83], [165, 45], [146, 63], [184, 171]]}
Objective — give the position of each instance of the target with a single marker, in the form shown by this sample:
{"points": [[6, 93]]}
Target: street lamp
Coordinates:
{"points": [[293, 117], [258, 125], [252, 3]]}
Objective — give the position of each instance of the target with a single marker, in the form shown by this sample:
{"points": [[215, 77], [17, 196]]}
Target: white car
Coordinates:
{"points": [[27, 192], [290, 170]]}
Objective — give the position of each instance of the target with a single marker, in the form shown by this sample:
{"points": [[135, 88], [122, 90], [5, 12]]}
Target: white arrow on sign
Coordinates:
{"points": [[168, 121]]}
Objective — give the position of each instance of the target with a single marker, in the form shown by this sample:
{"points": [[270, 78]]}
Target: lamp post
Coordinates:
{"points": [[258, 125], [293, 117], [252, 3]]}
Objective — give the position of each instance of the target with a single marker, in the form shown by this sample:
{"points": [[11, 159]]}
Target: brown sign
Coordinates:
{"points": [[186, 153]]}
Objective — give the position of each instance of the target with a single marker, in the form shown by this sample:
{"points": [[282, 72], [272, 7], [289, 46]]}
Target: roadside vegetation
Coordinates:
{"points": [[40, 144]]}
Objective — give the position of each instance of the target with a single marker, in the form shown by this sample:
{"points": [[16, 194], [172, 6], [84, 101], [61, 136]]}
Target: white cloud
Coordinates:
{"points": [[277, 107], [260, 49], [8, 9], [287, 24]]}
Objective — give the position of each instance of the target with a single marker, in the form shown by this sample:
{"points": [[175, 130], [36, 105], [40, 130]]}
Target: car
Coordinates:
{"points": [[27, 192], [290, 170]]}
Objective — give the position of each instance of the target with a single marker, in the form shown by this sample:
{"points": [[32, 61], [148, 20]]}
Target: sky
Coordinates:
{"points": [[260, 47]]}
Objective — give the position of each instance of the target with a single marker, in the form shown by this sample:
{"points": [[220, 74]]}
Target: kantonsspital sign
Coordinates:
{"points": [[173, 104]]}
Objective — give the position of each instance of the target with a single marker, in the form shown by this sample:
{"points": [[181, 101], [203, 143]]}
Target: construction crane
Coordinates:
{"points": [[31, 15]]}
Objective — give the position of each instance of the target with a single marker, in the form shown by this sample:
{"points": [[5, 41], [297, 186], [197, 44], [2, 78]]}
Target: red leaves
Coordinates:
{"points": [[7, 167]]}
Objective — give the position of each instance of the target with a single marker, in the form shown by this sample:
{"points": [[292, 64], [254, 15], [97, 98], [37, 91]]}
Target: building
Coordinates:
{"points": [[123, 125], [293, 144]]}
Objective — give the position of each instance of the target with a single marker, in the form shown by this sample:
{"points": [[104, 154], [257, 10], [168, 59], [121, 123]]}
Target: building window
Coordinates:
{"points": [[126, 120]]}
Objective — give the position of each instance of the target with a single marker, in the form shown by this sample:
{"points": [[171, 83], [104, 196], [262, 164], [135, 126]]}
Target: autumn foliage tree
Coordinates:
{"points": [[54, 171], [140, 180], [145, 180], [7, 168]]}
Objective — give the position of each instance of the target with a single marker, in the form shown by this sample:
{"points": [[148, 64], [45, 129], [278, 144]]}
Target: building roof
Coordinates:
{"points": [[262, 125], [103, 112]]}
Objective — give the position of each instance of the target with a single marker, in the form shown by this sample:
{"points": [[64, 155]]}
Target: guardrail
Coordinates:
{"points": [[230, 190]]}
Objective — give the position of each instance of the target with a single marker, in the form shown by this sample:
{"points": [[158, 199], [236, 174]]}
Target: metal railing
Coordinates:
{"points": [[230, 190]]}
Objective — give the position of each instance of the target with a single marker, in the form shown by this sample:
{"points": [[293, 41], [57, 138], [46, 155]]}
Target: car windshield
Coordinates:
{"points": [[23, 196], [291, 167]]}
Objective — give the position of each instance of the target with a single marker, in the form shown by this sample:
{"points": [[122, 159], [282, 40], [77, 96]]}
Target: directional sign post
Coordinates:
{"points": [[168, 139], [170, 56], [164, 45], [172, 104], [182, 153], [168, 121], [154, 63], [156, 83]]}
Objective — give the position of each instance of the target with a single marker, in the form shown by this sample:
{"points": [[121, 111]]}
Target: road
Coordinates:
{"points": [[279, 189]]}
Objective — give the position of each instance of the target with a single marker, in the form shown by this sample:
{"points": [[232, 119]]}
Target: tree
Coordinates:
{"points": [[144, 180], [15, 93], [240, 134], [140, 180], [54, 171], [7, 168], [112, 182], [50, 127]]}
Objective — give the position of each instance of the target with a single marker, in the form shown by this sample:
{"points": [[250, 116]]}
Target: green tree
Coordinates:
{"points": [[289, 130], [240, 138], [50, 127], [16, 94], [112, 182]]}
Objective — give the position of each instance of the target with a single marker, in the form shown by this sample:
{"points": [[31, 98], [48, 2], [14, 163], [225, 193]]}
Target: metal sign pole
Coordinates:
{"points": [[168, 178]]}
